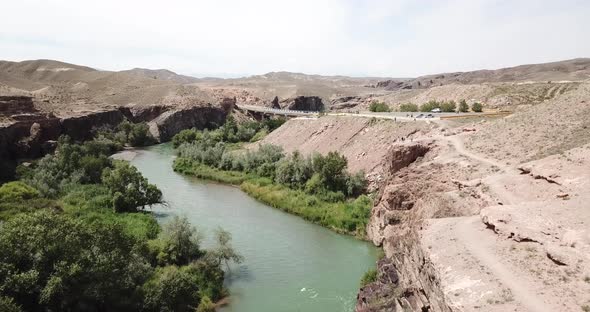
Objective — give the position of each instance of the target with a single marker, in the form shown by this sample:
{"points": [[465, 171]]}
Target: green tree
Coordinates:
{"points": [[379, 107], [463, 107], [76, 265], [171, 289], [477, 107], [225, 252], [408, 107], [129, 188], [180, 243], [448, 107], [429, 106], [331, 169]]}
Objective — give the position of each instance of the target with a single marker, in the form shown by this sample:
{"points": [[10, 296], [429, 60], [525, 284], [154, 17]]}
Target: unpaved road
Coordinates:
{"points": [[470, 233]]}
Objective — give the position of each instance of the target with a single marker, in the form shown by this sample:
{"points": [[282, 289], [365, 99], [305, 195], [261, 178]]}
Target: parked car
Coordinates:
{"points": [[436, 110], [420, 116]]}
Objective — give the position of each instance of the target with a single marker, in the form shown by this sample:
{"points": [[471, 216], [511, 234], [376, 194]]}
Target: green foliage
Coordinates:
{"points": [[477, 107], [463, 107], [171, 289], [129, 188], [71, 164], [408, 107], [369, 277], [379, 107], [7, 304], [180, 243], [127, 133], [348, 217], [71, 269], [429, 106], [448, 107], [206, 305], [224, 253], [16, 191], [230, 132]]}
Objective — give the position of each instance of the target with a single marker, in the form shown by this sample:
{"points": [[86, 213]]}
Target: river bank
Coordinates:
{"points": [[290, 264]]}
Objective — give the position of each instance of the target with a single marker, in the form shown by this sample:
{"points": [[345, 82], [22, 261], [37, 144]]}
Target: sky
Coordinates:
{"points": [[231, 38]]}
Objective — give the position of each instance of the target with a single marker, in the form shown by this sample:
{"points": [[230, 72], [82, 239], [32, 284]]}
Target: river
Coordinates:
{"points": [[290, 264]]}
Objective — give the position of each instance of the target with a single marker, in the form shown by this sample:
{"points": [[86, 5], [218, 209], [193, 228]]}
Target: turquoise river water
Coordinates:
{"points": [[290, 264]]}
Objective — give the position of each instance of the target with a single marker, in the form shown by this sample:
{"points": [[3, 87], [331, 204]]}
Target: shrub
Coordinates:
{"points": [[369, 277], [429, 106], [180, 243], [17, 191], [463, 107], [70, 270], [408, 107], [448, 107], [206, 305], [129, 188], [171, 289], [477, 107], [379, 107]]}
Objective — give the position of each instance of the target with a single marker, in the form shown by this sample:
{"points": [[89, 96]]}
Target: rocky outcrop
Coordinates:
{"points": [[275, 103], [80, 127], [171, 122], [140, 113], [11, 105], [304, 103], [407, 280]]}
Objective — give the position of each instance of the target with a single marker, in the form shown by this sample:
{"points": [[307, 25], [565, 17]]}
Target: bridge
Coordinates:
{"points": [[275, 111]]}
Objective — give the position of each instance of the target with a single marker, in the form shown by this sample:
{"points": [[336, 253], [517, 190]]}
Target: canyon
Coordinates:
{"points": [[477, 213]]}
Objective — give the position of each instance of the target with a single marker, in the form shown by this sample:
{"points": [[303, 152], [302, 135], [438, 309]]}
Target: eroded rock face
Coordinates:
{"points": [[10, 105], [171, 122], [80, 127], [140, 113], [304, 103], [407, 280]]}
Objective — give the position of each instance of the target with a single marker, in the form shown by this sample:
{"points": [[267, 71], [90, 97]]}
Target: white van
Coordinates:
{"points": [[436, 110]]}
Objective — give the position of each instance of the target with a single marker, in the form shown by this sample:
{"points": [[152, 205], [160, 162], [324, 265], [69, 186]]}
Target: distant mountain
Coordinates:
{"points": [[162, 74], [569, 70]]}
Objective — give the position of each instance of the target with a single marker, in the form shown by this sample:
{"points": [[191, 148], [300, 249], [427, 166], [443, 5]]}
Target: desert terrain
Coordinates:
{"points": [[473, 214]]}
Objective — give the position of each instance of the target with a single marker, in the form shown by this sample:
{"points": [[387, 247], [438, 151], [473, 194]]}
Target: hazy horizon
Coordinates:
{"points": [[229, 39]]}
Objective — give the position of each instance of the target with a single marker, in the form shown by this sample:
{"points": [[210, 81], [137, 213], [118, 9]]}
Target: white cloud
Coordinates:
{"points": [[379, 37]]}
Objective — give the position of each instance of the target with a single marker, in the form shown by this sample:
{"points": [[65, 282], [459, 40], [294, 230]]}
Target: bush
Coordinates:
{"points": [[429, 106], [129, 188], [463, 107], [408, 107], [477, 107], [70, 269], [17, 191], [369, 277], [379, 107], [180, 243], [448, 107], [206, 305], [171, 289]]}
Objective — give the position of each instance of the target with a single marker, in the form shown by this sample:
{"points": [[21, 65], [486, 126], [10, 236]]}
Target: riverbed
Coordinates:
{"points": [[290, 264]]}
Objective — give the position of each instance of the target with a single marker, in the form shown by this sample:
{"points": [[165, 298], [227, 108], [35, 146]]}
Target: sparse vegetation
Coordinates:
{"points": [[477, 107], [369, 277], [379, 107]]}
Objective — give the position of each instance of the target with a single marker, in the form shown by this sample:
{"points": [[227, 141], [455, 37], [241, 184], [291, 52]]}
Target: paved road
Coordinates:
{"points": [[392, 115]]}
